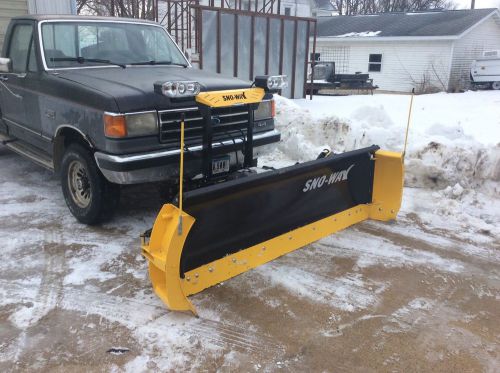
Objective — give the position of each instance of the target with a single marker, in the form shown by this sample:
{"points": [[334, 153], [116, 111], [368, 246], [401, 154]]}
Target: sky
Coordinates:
{"points": [[465, 4]]}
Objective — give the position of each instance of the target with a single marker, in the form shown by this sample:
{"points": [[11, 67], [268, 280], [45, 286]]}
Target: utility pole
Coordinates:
{"points": [[472, 4]]}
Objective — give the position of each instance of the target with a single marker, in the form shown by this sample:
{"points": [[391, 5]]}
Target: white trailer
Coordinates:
{"points": [[485, 71]]}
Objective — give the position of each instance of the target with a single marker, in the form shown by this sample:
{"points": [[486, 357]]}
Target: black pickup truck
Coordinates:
{"points": [[99, 101]]}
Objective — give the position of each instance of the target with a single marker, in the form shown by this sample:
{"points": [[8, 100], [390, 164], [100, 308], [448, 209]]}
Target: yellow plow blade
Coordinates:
{"points": [[232, 227]]}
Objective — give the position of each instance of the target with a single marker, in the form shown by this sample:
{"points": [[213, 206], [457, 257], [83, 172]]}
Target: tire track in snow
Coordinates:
{"points": [[238, 336], [48, 296], [349, 293], [444, 244], [136, 314]]}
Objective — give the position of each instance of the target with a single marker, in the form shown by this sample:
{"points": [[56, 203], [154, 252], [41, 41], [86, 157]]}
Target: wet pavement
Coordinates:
{"points": [[405, 296]]}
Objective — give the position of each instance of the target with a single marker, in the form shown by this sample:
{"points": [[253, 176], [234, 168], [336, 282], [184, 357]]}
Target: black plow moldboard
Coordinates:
{"points": [[238, 214]]}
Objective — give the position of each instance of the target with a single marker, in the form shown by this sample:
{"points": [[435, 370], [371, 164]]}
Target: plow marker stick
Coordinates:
{"points": [[408, 122], [181, 174], [231, 227]]}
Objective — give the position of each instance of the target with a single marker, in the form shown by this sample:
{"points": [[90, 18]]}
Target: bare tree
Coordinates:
{"points": [[352, 7], [121, 8]]}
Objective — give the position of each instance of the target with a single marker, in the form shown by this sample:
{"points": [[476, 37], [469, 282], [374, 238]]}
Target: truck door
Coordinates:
{"points": [[17, 99]]}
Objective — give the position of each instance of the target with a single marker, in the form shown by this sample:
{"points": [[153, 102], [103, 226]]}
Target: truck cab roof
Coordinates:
{"points": [[59, 17]]}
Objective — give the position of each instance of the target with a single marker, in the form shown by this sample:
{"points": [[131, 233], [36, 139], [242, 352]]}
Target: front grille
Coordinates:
{"points": [[233, 124]]}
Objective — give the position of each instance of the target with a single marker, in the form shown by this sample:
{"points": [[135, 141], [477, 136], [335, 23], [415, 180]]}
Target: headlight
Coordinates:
{"points": [[141, 124], [175, 89], [130, 125], [264, 111], [271, 82]]}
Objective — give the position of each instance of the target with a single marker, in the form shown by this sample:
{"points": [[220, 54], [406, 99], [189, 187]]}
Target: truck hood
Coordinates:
{"points": [[133, 90]]}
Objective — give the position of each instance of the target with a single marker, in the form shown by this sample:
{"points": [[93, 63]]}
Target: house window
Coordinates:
{"points": [[375, 63], [288, 11]]}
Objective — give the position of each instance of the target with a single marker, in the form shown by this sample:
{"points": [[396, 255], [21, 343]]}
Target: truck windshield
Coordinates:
{"points": [[77, 44]]}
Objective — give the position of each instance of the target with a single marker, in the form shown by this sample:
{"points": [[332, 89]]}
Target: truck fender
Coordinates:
{"points": [[63, 136]]}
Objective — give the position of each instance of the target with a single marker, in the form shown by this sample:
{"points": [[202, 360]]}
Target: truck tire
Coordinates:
{"points": [[89, 196], [495, 85]]}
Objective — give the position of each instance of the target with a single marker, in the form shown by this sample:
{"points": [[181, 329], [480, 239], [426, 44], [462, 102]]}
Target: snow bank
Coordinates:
{"points": [[453, 139]]}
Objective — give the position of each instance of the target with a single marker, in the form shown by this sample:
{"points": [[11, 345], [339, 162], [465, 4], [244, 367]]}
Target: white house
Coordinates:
{"points": [[294, 8], [428, 51], [307, 8], [13, 8]]}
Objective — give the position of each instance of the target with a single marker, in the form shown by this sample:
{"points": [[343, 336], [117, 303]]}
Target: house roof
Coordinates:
{"points": [[416, 24], [324, 4]]}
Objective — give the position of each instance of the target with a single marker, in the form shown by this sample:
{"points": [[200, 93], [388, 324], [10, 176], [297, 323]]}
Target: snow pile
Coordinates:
{"points": [[453, 139]]}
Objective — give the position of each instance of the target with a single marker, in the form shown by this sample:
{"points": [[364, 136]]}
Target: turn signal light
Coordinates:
{"points": [[115, 126]]}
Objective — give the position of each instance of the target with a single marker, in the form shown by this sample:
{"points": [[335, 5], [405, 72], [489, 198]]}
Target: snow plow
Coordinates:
{"points": [[219, 231]]}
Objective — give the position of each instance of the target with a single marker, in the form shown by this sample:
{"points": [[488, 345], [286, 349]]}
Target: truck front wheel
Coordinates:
{"points": [[89, 196], [495, 85]]}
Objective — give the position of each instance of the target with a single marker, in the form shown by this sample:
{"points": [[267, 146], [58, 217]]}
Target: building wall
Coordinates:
{"points": [[423, 65], [298, 8], [9, 9], [52, 6], [13, 8], [485, 36]]}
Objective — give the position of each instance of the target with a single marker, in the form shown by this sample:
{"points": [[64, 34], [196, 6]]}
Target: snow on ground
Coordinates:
{"points": [[424, 288], [54, 263], [453, 138], [453, 147]]}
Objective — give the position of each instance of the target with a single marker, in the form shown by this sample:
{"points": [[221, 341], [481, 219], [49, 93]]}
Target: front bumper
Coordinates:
{"points": [[164, 165]]}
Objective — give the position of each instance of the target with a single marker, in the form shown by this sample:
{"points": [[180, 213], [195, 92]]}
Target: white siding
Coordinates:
{"points": [[299, 8], [485, 36], [405, 64], [9, 9], [13, 8], [52, 6]]}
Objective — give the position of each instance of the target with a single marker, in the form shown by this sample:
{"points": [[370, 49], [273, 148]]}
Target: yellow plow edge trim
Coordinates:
{"points": [[231, 97], [165, 246], [222, 269]]}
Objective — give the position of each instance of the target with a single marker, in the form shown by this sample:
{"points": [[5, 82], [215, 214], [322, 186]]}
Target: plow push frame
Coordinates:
{"points": [[220, 231]]}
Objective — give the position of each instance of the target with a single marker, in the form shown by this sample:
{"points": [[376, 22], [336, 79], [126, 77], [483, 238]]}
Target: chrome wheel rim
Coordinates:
{"points": [[79, 185], [496, 85]]}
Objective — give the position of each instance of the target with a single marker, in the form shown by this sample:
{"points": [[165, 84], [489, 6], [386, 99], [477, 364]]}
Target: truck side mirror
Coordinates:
{"points": [[5, 65]]}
